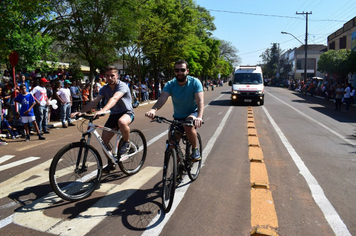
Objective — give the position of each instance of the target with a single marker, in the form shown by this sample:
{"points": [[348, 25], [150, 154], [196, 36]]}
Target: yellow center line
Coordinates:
{"points": [[263, 213]]}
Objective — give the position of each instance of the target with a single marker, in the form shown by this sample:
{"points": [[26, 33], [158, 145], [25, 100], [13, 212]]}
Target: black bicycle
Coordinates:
{"points": [[177, 159]]}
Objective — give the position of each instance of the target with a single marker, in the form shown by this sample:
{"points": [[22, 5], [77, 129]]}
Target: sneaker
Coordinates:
{"points": [[46, 132], [41, 138], [71, 124], [108, 168], [125, 148], [64, 126], [196, 155], [3, 142], [27, 139]]}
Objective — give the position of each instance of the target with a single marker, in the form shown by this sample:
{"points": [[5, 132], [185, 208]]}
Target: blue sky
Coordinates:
{"points": [[255, 25]]}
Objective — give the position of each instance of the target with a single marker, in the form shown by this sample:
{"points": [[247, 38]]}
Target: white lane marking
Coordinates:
{"points": [[6, 221], [18, 183], [180, 191], [17, 163], [317, 122], [214, 100], [32, 216], [6, 158], [22, 181], [156, 138], [11, 204], [321, 200]]}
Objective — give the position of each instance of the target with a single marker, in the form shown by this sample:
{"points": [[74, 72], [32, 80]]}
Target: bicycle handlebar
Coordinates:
{"points": [[161, 119], [91, 117]]}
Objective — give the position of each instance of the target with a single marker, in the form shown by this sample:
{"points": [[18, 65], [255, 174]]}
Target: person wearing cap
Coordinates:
{"points": [[64, 96], [41, 107]]}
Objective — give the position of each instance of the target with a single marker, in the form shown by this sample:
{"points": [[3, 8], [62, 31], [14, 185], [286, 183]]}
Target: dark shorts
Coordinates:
{"points": [[181, 128], [113, 118], [195, 114]]}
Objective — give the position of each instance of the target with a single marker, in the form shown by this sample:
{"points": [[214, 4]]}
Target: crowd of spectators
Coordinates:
{"points": [[340, 93], [44, 88], [58, 85]]}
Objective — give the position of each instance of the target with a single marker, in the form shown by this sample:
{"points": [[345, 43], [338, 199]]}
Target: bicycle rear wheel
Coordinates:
{"points": [[169, 179], [194, 167], [131, 162], [75, 171]]}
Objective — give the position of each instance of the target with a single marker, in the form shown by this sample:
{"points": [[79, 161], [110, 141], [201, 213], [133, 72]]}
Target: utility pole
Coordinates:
{"points": [[306, 43]]}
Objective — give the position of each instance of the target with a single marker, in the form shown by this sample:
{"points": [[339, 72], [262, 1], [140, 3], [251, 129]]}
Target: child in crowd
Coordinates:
{"points": [[18, 125], [5, 125], [27, 102]]}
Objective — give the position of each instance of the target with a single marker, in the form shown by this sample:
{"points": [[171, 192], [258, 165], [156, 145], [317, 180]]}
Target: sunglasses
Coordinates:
{"points": [[181, 70]]}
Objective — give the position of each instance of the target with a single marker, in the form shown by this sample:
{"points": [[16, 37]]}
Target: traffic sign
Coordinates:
{"points": [[14, 58]]}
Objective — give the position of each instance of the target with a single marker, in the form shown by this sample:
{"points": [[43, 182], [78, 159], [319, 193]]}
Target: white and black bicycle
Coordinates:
{"points": [[76, 169]]}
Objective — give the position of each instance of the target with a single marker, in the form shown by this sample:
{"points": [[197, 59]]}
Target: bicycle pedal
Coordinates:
{"points": [[123, 158]]}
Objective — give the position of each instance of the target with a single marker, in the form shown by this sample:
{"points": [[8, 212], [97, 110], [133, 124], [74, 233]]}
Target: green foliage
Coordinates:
{"points": [[171, 30], [21, 24], [229, 53], [149, 35], [270, 60], [75, 70], [91, 29], [352, 62], [335, 62]]}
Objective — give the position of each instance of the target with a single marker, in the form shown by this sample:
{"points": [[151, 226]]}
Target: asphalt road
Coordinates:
{"points": [[307, 173]]}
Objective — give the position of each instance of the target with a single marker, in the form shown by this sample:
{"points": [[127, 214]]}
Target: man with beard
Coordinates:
{"points": [[188, 102], [119, 103]]}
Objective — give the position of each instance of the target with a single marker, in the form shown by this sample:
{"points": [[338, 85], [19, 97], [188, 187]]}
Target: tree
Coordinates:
{"points": [[164, 32], [229, 52], [22, 24], [335, 62], [352, 62], [270, 60], [91, 30]]}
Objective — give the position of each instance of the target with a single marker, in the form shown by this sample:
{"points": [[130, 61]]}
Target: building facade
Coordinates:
{"points": [[344, 38], [292, 62]]}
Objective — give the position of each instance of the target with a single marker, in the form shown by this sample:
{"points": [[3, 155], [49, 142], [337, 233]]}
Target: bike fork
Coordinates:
{"points": [[82, 168]]}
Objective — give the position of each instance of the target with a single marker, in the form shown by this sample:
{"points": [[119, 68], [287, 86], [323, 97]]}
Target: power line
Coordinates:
{"points": [[256, 14]]}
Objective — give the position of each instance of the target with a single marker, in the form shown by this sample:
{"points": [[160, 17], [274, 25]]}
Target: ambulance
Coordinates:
{"points": [[247, 85]]}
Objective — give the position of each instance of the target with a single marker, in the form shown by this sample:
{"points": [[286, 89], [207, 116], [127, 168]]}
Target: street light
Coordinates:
{"points": [[306, 52], [292, 35]]}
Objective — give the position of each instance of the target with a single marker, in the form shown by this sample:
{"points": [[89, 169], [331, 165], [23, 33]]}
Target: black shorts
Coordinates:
{"points": [[113, 118]]}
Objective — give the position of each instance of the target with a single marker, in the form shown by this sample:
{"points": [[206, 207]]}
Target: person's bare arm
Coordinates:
{"points": [[199, 98], [160, 102]]}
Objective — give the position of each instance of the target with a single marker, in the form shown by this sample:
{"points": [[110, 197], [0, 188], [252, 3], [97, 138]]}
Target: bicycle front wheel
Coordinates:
{"points": [[194, 167], [169, 179], [75, 171], [131, 162]]}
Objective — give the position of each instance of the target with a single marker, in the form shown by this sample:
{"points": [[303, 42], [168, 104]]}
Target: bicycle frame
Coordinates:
{"points": [[173, 141], [112, 154], [174, 130], [92, 129]]}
